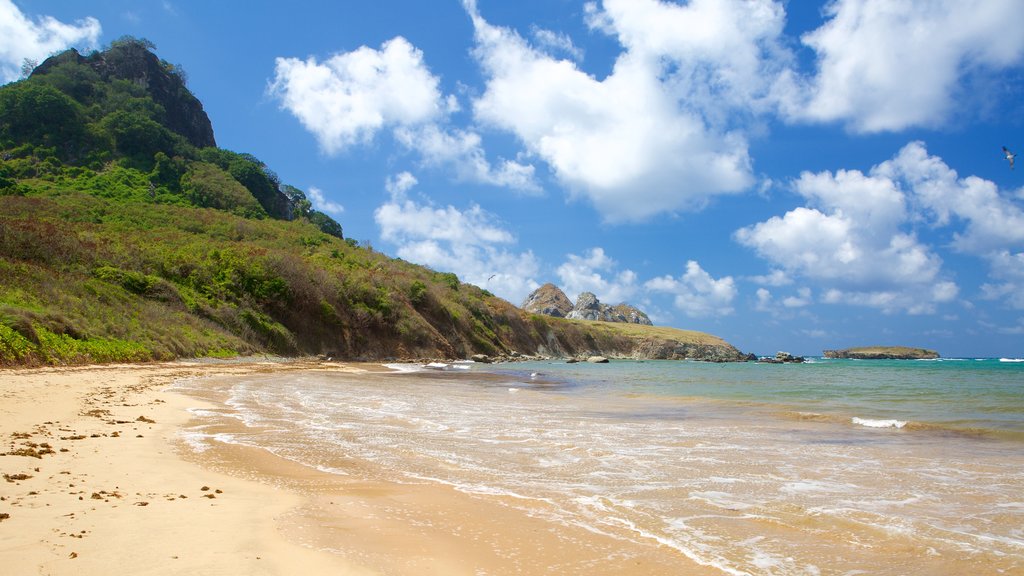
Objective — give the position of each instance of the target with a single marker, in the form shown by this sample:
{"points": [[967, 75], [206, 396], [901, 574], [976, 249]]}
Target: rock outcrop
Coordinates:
{"points": [[551, 301], [588, 307]]}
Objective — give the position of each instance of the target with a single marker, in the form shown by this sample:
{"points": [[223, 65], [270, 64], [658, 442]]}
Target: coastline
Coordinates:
{"points": [[122, 489]]}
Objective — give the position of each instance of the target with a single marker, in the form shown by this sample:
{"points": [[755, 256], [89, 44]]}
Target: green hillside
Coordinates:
{"points": [[127, 235]]}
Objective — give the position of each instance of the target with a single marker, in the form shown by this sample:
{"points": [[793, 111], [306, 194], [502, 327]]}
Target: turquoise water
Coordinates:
{"points": [[975, 396], [831, 467]]}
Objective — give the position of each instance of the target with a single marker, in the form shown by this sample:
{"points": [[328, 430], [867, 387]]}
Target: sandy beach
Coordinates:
{"points": [[98, 480], [94, 483]]}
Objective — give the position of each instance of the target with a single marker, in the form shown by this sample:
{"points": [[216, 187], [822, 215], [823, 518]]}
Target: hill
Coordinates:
{"points": [[127, 235]]}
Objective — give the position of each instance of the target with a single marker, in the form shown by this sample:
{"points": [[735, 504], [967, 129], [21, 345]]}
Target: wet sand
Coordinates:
{"points": [[97, 480]]}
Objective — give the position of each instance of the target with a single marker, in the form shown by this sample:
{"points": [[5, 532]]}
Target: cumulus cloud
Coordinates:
{"points": [[725, 54], [463, 151], [892, 65], [775, 278], [853, 238], [472, 243], [348, 98], [22, 39], [557, 43], [625, 142], [1008, 279], [992, 221], [697, 293], [321, 203], [596, 272]]}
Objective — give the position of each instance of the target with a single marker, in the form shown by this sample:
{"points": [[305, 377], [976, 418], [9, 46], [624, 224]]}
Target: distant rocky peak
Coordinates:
{"points": [[548, 300], [551, 301]]}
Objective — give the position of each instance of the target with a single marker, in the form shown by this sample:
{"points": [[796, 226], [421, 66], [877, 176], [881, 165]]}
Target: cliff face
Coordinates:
{"points": [[551, 301], [133, 62]]}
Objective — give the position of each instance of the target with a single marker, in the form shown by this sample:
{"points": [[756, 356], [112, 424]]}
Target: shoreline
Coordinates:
{"points": [[115, 485]]}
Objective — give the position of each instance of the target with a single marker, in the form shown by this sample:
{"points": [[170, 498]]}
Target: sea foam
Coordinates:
{"points": [[879, 423]]}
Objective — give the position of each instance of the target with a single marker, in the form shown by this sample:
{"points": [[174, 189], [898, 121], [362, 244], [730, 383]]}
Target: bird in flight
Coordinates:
{"points": [[1009, 156]]}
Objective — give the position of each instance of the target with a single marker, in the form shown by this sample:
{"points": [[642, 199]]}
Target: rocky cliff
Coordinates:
{"points": [[551, 301]]}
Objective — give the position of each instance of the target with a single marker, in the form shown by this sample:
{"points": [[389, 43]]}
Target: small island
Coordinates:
{"points": [[882, 353]]}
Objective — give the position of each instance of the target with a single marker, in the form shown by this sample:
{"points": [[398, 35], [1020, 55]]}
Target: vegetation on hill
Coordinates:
{"points": [[127, 235]]}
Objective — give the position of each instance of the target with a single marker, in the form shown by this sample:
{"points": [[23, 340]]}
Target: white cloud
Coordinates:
{"points": [[463, 151], [596, 272], [1008, 276], [22, 38], [886, 65], [993, 221], [468, 242], [802, 299], [557, 43], [399, 184], [851, 237], [725, 54], [697, 293], [624, 142], [775, 278], [348, 98], [321, 203], [765, 302]]}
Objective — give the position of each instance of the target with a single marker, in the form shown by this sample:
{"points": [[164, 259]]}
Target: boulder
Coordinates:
{"points": [[597, 360], [481, 358]]}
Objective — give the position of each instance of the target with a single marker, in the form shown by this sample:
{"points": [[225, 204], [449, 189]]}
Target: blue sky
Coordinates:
{"points": [[786, 175]]}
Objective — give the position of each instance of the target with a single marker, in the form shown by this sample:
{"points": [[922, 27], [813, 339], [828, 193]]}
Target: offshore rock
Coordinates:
{"points": [[883, 353], [783, 358]]}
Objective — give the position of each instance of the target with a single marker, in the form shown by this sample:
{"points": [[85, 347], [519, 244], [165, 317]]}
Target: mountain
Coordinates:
{"points": [[127, 235]]}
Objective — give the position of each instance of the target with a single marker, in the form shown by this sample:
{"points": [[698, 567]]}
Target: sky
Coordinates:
{"points": [[786, 175]]}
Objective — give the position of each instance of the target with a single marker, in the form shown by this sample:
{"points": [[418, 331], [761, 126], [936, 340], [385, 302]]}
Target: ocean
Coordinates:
{"points": [[831, 467]]}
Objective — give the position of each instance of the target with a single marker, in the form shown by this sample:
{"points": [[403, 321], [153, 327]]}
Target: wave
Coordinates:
{"points": [[879, 423], [1011, 359]]}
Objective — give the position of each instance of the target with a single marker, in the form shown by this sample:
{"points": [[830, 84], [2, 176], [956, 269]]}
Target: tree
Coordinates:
{"points": [[40, 114]]}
